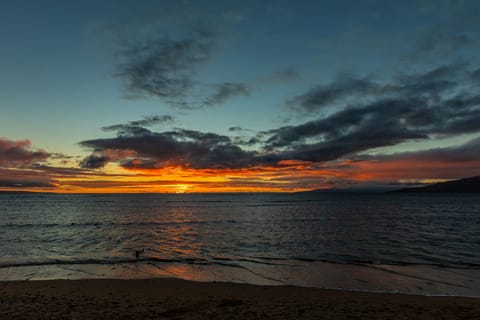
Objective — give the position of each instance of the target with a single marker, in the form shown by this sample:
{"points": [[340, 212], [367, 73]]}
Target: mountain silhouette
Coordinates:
{"points": [[471, 184]]}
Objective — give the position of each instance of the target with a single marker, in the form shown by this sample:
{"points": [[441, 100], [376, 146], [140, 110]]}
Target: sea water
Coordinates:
{"points": [[412, 243]]}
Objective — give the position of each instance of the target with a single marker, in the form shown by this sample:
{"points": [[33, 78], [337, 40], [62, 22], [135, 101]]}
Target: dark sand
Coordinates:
{"points": [[179, 299]]}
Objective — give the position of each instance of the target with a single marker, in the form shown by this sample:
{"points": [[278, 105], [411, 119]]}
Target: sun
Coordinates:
{"points": [[181, 188]]}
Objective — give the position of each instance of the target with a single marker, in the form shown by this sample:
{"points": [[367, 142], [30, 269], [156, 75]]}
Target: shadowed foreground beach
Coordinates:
{"points": [[180, 299]]}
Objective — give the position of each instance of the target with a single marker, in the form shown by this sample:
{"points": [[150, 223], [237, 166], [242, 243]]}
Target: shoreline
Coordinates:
{"points": [[161, 298], [419, 280]]}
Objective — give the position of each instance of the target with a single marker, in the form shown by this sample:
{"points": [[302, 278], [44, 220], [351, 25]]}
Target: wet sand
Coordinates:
{"points": [[180, 299]]}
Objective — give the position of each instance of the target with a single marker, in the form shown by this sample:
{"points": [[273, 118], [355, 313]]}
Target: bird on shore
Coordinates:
{"points": [[138, 252]]}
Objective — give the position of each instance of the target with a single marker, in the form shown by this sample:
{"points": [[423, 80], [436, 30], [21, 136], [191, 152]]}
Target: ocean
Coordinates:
{"points": [[410, 243]]}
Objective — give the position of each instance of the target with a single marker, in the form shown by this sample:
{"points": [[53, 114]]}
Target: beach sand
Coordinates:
{"points": [[180, 299]]}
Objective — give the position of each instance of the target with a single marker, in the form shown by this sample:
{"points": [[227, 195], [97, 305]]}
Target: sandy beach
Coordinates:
{"points": [[180, 299]]}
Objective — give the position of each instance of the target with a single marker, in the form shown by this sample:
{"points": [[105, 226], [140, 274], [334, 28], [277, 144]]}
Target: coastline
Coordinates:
{"points": [[162, 298], [421, 280]]}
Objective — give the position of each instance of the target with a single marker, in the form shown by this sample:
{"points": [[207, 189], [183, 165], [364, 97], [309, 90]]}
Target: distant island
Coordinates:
{"points": [[463, 185], [466, 185]]}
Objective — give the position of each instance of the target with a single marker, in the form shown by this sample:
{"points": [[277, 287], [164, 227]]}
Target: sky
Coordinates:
{"points": [[237, 96]]}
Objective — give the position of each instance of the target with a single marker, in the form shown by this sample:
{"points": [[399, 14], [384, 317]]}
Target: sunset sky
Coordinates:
{"points": [[237, 96]]}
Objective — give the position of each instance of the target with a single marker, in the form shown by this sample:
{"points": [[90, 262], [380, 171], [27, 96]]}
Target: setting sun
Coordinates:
{"points": [[181, 188]]}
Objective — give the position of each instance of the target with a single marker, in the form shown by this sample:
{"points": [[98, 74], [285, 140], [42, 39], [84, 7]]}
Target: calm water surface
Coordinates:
{"points": [[235, 231]]}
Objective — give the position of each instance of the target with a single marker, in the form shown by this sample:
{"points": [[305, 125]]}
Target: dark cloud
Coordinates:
{"points": [[244, 141], [19, 152], [355, 90], [432, 83], [324, 95], [439, 102], [225, 91], [181, 147], [145, 122], [378, 116], [208, 138], [164, 67], [95, 161], [345, 133], [101, 156]]}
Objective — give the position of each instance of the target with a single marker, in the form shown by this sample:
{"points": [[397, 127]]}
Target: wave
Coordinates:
{"points": [[462, 265], [235, 262], [139, 224], [113, 224], [112, 261]]}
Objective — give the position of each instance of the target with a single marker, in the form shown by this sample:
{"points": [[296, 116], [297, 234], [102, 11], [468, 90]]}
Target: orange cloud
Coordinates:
{"points": [[20, 152]]}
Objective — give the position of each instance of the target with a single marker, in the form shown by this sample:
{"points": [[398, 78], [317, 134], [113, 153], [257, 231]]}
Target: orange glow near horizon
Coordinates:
{"points": [[286, 176]]}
